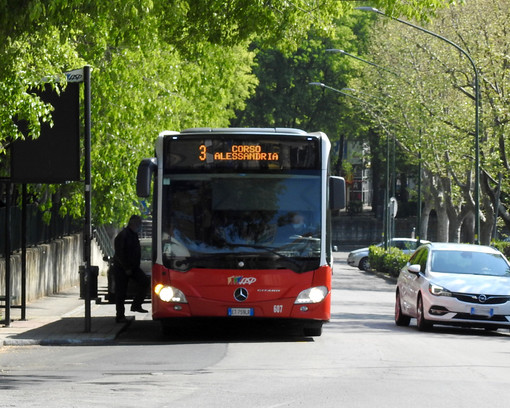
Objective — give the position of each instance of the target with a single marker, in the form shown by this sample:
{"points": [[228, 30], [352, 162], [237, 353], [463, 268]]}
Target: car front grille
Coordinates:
{"points": [[481, 299]]}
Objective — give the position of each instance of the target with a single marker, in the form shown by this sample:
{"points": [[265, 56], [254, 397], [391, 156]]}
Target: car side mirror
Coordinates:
{"points": [[416, 268]]}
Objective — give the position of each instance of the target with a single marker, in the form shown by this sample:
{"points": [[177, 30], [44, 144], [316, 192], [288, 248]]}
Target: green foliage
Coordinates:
{"points": [[285, 98], [376, 257], [394, 261], [503, 247], [149, 98], [390, 262], [166, 65], [141, 85], [25, 63], [429, 104]]}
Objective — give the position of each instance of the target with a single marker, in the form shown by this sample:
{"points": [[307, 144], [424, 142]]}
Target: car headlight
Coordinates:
{"points": [[170, 294], [437, 290], [312, 295]]}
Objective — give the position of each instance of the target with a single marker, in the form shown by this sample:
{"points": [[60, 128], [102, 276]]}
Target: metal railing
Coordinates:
{"points": [[104, 241], [37, 230]]}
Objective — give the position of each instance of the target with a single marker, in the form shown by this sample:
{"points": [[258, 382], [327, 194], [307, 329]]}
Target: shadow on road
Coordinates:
{"points": [[211, 331]]}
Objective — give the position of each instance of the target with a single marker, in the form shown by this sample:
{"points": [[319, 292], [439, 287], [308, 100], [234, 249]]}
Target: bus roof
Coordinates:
{"points": [[245, 130]]}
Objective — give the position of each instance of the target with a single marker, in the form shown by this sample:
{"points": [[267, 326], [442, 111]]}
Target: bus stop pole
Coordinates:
{"points": [[24, 251], [7, 321], [87, 233]]}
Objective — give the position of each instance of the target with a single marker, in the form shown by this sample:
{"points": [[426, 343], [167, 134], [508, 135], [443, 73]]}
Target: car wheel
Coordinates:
{"points": [[423, 324], [400, 318], [364, 264]]}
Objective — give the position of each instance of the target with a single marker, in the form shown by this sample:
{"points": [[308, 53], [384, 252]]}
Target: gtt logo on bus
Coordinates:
{"points": [[241, 280]]}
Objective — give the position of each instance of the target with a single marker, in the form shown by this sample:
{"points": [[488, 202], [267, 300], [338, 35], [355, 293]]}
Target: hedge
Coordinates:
{"points": [[390, 262]]}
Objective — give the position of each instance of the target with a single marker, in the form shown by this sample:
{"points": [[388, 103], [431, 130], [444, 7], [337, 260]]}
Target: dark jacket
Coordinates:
{"points": [[127, 250]]}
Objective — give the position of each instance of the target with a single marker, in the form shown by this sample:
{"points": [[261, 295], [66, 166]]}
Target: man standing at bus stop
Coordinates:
{"points": [[126, 265]]}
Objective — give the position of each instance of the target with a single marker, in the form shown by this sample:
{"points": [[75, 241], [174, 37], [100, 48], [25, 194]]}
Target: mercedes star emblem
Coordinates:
{"points": [[241, 294]]}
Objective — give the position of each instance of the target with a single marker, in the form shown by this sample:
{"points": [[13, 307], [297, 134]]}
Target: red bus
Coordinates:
{"points": [[241, 220]]}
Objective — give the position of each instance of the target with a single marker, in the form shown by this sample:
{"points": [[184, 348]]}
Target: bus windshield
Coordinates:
{"points": [[236, 220]]}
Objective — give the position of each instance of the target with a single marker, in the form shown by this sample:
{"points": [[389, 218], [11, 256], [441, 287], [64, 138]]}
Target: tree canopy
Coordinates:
{"points": [[155, 65], [430, 105]]}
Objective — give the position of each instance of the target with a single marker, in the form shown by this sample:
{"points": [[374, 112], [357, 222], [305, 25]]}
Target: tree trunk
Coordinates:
{"points": [[442, 224], [454, 229], [425, 217], [468, 228], [487, 222]]}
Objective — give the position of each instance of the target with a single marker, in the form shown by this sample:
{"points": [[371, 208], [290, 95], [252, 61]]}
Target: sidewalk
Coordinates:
{"points": [[60, 320]]}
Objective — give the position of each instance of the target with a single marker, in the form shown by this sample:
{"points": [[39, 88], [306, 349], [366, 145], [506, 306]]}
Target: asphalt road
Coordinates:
{"points": [[361, 360]]}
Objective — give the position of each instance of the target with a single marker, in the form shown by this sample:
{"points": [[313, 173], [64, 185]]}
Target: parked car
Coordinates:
{"points": [[145, 265], [454, 284], [359, 257]]}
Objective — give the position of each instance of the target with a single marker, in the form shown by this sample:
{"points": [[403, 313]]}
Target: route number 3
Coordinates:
{"points": [[202, 152]]}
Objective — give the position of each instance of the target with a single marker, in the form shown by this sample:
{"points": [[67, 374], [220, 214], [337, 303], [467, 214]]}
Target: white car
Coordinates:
{"points": [[359, 257], [454, 284]]}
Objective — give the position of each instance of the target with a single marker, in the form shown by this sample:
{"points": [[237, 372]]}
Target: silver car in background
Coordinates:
{"points": [[359, 257], [454, 284]]}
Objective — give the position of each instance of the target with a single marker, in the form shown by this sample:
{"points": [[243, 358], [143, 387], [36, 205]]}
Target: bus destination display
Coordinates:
{"points": [[199, 154], [240, 152]]}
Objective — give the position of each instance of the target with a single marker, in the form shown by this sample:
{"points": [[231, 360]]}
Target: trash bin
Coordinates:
{"points": [[92, 284]]}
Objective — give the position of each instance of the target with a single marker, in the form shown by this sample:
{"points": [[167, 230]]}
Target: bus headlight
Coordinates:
{"points": [[170, 294], [312, 295]]}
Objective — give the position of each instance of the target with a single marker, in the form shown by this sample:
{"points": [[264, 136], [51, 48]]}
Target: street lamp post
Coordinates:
{"points": [[477, 109], [393, 184], [322, 85], [389, 229], [386, 217], [338, 51]]}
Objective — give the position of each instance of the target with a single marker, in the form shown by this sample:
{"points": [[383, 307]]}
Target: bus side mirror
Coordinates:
{"points": [[143, 177], [336, 193]]}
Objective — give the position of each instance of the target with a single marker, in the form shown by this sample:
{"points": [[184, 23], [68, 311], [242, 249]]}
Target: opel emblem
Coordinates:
{"points": [[482, 298], [241, 294]]}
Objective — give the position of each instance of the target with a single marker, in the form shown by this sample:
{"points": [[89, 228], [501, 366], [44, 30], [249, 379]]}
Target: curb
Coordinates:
{"points": [[67, 332], [58, 342]]}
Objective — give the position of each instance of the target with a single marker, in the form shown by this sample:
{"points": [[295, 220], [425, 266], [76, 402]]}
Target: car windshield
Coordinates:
{"points": [[468, 262]]}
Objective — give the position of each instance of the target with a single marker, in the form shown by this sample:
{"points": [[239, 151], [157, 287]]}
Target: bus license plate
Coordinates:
{"points": [[240, 311]]}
